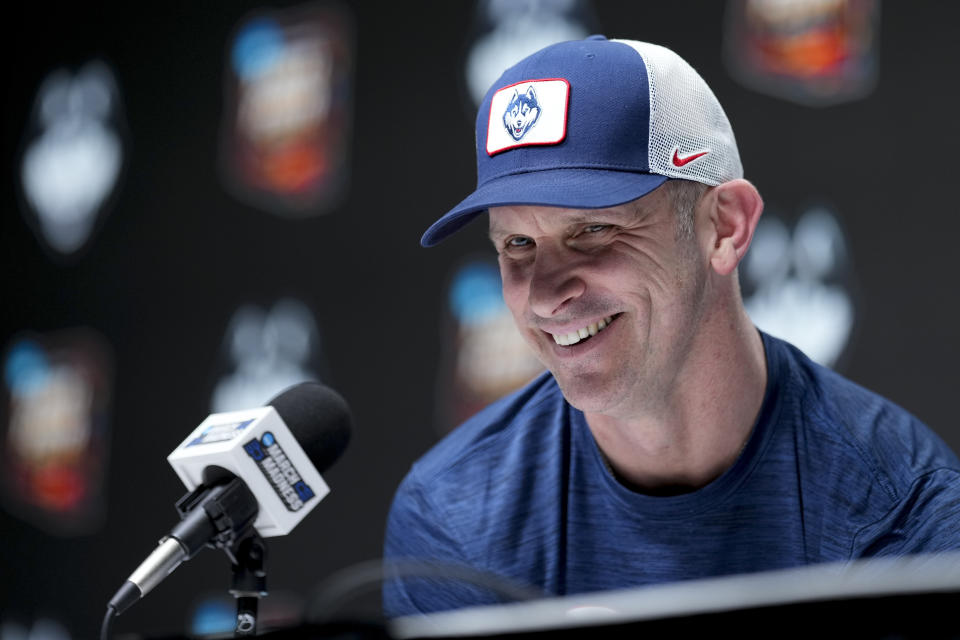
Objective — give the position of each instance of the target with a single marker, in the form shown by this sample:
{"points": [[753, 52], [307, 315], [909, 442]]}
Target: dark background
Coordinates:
{"points": [[177, 254]]}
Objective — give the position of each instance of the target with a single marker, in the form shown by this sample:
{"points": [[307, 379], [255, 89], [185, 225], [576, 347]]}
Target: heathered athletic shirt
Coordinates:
{"points": [[831, 472]]}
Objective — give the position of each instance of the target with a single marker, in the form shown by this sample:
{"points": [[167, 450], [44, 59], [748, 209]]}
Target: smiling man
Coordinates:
{"points": [[670, 439]]}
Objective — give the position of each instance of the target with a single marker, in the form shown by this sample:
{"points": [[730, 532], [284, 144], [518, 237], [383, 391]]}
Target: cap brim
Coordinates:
{"points": [[570, 188]]}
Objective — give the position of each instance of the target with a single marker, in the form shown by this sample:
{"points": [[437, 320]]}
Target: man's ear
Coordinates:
{"points": [[736, 209]]}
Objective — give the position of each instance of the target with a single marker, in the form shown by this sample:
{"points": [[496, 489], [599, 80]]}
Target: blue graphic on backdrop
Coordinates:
{"points": [[53, 441], [475, 295], [485, 356], [259, 45], [286, 138]]}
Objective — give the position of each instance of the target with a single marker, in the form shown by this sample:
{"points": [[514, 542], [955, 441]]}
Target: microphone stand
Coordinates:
{"points": [[249, 580], [240, 541]]}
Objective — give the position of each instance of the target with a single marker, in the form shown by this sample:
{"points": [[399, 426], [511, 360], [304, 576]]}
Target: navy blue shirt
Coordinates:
{"points": [[831, 472]]}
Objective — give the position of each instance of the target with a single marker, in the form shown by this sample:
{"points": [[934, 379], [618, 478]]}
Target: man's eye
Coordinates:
{"points": [[518, 241], [595, 228]]}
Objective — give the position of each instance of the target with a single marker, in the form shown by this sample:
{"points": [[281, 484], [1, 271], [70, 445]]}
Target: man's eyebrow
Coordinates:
{"points": [[599, 215], [585, 216]]}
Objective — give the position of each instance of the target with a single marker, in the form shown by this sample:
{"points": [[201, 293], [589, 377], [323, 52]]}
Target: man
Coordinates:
{"points": [[670, 439]]}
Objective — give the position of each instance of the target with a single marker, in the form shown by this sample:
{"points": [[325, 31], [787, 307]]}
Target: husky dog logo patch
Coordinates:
{"points": [[533, 112], [522, 113]]}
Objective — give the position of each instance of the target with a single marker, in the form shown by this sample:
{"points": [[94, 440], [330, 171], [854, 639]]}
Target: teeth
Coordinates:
{"points": [[574, 337]]}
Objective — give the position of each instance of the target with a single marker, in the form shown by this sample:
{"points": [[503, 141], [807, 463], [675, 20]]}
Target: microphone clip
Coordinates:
{"points": [[216, 516]]}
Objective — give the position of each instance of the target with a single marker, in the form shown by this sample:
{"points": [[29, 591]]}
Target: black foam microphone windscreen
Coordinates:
{"points": [[319, 419]]}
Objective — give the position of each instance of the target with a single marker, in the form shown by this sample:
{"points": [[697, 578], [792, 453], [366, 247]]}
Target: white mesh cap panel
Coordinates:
{"points": [[686, 119]]}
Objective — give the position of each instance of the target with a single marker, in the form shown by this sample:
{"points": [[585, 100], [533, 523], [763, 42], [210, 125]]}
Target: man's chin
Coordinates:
{"points": [[590, 394]]}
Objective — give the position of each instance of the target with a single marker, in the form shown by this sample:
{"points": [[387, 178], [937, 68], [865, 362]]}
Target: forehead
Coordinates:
{"points": [[516, 218]]}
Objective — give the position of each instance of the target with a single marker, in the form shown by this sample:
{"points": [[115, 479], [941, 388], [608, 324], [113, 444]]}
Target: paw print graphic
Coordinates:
{"points": [[269, 350], [797, 283], [510, 30], [73, 157]]}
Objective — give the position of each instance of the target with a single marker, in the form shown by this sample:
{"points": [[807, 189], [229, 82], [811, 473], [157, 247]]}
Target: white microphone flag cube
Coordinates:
{"points": [[256, 446]]}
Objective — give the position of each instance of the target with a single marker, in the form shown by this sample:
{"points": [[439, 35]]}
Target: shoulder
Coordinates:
{"points": [[874, 430], [486, 453], [877, 461], [439, 510], [495, 433], [871, 468]]}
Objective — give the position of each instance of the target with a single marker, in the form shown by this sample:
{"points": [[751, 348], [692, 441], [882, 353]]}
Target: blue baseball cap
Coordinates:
{"points": [[591, 124]]}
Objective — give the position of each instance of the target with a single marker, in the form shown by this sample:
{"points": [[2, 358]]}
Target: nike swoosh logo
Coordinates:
{"points": [[679, 162]]}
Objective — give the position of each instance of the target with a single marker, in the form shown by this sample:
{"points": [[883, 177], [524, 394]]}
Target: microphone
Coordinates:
{"points": [[257, 468]]}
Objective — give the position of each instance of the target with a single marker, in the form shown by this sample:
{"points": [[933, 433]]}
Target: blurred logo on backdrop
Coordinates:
{"points": [[286, 134], [266, 351], [72, 157], [798, 283], [39, 629], [484, 356], [506, 31], [814, 52], [58, 389]]}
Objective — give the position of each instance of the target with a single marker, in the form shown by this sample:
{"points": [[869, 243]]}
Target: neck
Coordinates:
{"points": [[696, 429]]}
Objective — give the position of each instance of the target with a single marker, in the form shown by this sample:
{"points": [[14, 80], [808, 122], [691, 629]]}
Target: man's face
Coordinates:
{"points": [[620, 276]]}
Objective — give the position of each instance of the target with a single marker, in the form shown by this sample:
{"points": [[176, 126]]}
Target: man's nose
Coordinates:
{"points": [[555, 281]]}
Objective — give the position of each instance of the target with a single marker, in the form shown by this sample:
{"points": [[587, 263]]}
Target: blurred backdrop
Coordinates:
{"points": [[206, 202]]}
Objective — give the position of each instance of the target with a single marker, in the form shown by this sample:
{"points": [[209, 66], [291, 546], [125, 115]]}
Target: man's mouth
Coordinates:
{"points": [[584, 333]]}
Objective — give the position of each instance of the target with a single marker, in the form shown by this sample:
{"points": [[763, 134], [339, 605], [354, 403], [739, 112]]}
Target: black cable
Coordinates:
{"points": [[105, 627]]}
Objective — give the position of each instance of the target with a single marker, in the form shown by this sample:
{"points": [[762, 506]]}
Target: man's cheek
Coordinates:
{"points": [[515, 298]]}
